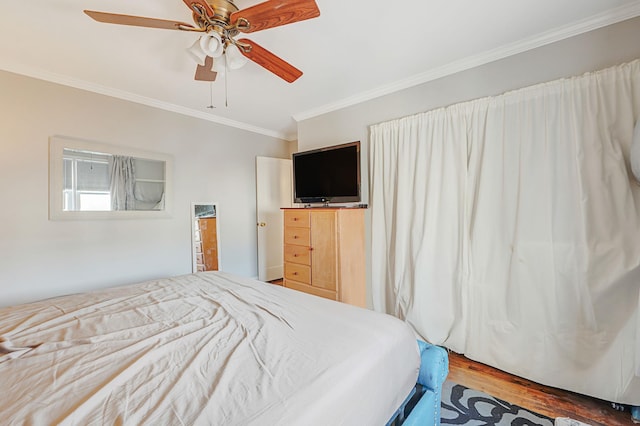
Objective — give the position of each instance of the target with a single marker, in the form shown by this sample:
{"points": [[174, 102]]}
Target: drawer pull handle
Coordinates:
{"points": [[295, 219], [295, 273], [295, 237], [295, 255]]}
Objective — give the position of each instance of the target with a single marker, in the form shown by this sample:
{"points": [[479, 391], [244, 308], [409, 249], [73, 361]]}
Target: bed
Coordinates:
{"points": [[208, 348]]}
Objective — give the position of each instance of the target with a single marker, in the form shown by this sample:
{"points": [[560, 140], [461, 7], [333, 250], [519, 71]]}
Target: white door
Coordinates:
{"points": [[274, 191]]}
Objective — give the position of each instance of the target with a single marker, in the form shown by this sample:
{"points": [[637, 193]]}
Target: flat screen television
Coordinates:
{"points": [[327, 175]]}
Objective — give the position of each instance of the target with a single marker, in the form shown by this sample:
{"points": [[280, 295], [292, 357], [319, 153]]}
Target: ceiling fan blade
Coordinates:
{"points": [[273, 13], [204, 72], [269, 61], [203, 4], [139, 21]]}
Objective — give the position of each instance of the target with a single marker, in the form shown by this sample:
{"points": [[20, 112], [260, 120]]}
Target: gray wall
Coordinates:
{"points": [[41, 258], [587, 52]]}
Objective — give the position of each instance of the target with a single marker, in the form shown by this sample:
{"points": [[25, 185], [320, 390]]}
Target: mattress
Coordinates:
{"points": [[202, 349]]}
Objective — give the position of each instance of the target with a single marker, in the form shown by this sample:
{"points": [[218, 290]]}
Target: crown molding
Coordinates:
{"points": [[600, 20], [597, 21], [132, 97]]}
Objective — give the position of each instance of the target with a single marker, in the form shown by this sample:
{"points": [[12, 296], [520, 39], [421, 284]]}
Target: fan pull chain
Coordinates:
{"points": [[226, 91], [211, 96]]}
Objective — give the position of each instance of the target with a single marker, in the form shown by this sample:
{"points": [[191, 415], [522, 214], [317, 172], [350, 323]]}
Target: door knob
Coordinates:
{"points": [[262, 224]]}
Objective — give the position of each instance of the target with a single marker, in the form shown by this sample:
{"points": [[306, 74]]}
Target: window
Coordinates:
{"points": [[86, 181]]}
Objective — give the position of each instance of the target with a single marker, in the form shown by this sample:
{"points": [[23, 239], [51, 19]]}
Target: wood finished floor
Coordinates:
{"points": [[541, 399]]}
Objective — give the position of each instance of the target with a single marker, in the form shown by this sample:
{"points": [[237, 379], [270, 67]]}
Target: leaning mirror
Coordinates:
{"points": [[91, 180], [205, 237]]}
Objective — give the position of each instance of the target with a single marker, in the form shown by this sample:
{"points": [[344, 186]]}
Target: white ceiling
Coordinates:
{"points": [[354, 51]]}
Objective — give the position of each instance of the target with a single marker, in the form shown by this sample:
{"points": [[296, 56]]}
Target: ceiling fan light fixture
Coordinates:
{"points": [[235, 58], [218, 22], [196, 53], [211, 44]]}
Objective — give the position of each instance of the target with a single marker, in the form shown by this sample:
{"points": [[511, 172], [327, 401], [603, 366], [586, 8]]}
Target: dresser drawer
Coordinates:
{"points": [[297, 236], [332, 295], [297, 254], [298, 218], [297, 272]]}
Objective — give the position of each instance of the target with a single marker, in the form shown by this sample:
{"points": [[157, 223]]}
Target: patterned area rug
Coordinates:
{"points": [[464, 406]]}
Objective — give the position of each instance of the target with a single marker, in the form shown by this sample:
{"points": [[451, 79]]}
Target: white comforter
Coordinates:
{"points": [[209, 349]]}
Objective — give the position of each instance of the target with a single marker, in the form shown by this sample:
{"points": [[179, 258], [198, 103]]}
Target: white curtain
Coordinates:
{"points": [[417, 200], [508, 229], [122, 174]]}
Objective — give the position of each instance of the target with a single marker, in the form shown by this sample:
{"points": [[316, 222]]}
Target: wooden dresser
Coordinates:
{"points": [[206, 240], [324, 253]]}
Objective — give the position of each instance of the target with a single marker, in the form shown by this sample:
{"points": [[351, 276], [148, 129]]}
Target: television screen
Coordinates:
{"points": [[327, 175]]}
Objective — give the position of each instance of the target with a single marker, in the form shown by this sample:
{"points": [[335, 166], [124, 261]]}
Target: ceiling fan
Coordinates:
{"points": [[220, 22]]}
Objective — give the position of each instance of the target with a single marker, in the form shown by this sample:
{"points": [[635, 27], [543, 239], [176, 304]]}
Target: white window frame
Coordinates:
{"points": [[75, 194]]}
